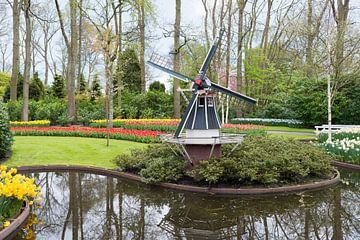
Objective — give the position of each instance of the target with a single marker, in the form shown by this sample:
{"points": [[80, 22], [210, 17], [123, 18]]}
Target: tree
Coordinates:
{"points": [[240, 49], [36, 88], [341, 17], [16, 49], [4, 83], [141, 23], [25, 106], [71, 47], [58, 87], [177, 66], [157, 87], [82, 83], [130, 76], [95, 89]]}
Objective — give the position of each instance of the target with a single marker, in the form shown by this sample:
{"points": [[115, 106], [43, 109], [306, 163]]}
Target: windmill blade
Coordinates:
{"points": [[186, 114], [170, 72], [211, 54], [232, 93]]}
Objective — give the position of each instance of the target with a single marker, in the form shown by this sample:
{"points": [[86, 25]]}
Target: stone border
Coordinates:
{"points": [[347, 166], [188, 188], [16, 225]]}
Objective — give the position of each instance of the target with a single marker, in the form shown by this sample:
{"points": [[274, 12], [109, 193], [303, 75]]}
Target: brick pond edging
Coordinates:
{"points": [[348, 166], [16, 225], [188, 188]]}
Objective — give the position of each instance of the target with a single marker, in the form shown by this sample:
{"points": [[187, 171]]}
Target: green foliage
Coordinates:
{"points": [[157, 163], [350, 106], [147, 105], [129, 71], [36, 88], [4, 82], [58, 87], [19, 88], [55, 110], [157, 86], [95, 89], [309, 102], [82, 88], [266, 161], [6, 138], [89, 110]]}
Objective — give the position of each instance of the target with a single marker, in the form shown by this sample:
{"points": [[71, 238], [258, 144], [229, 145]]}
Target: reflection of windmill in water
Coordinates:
{"points": [[202, 138], [189, 219]]}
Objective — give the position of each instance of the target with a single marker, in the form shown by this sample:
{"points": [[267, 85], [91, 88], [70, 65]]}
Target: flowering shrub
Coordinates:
{"points": [[35, 123], [268, 121], [144, 136], [14, 190]]}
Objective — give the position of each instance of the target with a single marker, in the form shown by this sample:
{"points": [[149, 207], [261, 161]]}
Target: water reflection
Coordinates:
{"points": [[88, 206]]}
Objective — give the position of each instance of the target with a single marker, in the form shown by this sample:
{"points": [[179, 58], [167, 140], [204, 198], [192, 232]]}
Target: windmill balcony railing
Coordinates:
{"points": [[224, 138]]}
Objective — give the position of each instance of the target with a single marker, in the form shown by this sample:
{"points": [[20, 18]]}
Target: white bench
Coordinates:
{"points": [[325, 128]]}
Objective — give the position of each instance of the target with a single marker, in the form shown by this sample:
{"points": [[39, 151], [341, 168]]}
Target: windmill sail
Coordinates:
{"points": [[200, 117]]}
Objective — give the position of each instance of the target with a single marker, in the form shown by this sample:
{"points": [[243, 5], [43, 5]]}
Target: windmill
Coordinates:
{"points": [[202, 136]]}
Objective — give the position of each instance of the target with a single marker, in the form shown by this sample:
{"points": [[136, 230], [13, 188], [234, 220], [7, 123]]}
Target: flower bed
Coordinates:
{"points": [[345, 144], [36, 123], [268, 122], [144, 136], [15, 189], [166, 125], [163, 125]]}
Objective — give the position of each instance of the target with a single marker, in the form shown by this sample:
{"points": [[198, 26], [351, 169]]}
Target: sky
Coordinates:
{"points": [[192, 14]]}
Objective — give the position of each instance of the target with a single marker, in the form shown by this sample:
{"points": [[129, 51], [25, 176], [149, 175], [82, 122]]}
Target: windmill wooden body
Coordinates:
{"points": [[202, 137]]}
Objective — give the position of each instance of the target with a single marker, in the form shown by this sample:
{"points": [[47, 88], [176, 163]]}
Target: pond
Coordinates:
{"points": [[89, 206]]}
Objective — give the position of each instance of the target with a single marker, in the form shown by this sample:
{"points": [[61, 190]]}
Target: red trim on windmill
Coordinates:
{"points": [[198, 81]]}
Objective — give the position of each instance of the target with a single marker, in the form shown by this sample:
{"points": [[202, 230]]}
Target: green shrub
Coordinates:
{"points": [[265, 161], [258, 160], [6, 138], [157, 163]]}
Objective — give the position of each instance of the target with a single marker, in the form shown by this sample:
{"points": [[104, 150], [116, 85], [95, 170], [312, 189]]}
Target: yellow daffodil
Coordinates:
{"points": [[6, 224]]}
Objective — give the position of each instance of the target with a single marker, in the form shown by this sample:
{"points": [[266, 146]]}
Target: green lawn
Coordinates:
{"points": [[294, 136], [67, 150], [289, 129]]}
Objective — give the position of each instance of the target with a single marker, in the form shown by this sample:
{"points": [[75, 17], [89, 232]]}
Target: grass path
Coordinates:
{"points": [[42, 150]]}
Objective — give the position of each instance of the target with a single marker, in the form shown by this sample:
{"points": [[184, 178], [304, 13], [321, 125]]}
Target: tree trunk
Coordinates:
{"points": [[141, 16], [177, 58], [308, 55], [16, 50], [25, 106], [265, 36], [72, 53], [79, 48], [204, 2], [228, 65], [119, 86], [341, 24], [240, 49], [46, 48]]}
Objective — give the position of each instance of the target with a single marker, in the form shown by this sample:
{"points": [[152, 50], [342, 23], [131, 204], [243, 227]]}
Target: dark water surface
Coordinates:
{"points": [[89, 206]]}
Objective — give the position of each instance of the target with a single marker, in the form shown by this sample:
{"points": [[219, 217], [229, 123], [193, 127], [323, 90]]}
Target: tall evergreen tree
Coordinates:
{"points": [[130, 71], [36, 88], [58, 87], [95, 90]]}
